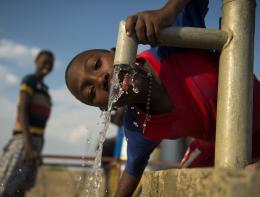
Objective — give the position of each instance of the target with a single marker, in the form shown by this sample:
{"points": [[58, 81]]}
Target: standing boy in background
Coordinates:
{"points": [[22, 155]]}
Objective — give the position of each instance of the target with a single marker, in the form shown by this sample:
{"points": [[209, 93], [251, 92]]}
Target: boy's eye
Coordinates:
{"points": [[97, 65]]}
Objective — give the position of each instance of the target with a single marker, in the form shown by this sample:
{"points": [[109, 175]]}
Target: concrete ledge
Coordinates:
{"points": [[201, 182]]}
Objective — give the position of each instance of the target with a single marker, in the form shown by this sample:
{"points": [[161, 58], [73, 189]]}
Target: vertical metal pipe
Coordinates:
{"points": [[126, 47], [234, 111]]}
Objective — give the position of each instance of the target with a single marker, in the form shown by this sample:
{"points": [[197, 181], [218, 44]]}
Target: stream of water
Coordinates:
{"points": [[94, 180]]}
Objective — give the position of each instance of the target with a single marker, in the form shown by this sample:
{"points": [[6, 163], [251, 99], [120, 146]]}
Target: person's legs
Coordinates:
{"points": [[11, 174], [31, 170], [16, 175]]}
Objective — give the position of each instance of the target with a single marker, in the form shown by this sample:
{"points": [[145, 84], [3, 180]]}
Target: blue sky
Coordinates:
{"points": [[66, 28]]}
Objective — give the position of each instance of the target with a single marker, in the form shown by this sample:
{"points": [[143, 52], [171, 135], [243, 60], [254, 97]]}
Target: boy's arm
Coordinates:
{"points": [[147, 24], [127, 184], [29, 153], [138, 153], [26, 91]]}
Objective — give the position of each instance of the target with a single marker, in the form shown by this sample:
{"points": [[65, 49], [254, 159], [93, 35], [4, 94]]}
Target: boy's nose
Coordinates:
{"points": [[104, 81]]}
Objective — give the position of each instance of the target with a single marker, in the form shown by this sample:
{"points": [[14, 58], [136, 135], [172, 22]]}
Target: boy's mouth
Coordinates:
{"points": [[124, 80], [125, 83]]}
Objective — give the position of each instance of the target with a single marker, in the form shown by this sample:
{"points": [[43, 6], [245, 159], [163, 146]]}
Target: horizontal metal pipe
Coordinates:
{"points": [[190, 37], [186, 37]]}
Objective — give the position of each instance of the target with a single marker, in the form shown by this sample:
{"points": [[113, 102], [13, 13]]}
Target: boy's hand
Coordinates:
{"points": [[147, 24], [30, 155], [254, 166]]}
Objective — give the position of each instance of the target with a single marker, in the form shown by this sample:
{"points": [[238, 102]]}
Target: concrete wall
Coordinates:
{"points": [[201, 182]]}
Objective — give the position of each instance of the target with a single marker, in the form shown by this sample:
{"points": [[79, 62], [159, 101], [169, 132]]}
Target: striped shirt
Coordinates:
{"points": [[39, 106]]}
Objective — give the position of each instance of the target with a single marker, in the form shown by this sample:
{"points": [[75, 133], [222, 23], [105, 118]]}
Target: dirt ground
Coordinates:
{"points": [[57, 181], [52, 182]]}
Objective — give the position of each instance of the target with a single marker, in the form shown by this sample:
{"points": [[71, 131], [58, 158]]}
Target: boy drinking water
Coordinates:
{"points": [[177, 94]]}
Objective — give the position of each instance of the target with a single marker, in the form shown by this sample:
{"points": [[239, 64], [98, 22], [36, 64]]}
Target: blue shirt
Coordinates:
{"points": [[139, 148]]}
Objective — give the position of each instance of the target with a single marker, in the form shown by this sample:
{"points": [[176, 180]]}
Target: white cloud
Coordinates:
{"points": [[7, 77], [7, 118], [78, 133], [20, 53], [71, 124]]}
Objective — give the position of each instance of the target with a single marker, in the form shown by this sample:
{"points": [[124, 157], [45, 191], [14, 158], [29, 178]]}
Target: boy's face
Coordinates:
{"points": [[89, 77], [44, 65], [89, 80]]}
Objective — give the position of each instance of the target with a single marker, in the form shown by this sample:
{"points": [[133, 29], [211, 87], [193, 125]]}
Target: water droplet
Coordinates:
{"points": [[135, 124], [20, 170], [78, 178], [88, 141], [135, 90]]}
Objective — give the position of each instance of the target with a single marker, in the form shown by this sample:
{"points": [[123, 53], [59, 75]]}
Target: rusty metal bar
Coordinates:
{"points": [[104, 159], [234, 111]]}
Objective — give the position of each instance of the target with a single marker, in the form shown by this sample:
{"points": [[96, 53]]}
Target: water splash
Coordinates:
{"points": [[135, 124], [78, 178], [2, 188], [95, 177]]}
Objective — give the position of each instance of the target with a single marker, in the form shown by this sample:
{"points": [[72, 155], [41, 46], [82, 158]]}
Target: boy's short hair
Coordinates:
{"points": [[45, 52]]}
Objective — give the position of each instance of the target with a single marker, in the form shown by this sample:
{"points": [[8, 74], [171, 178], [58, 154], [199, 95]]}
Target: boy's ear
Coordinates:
{"points": [[113, 49]]}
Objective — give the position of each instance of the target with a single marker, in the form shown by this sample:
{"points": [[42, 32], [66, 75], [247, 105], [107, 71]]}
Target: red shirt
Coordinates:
{"points": [[191, 78]]}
